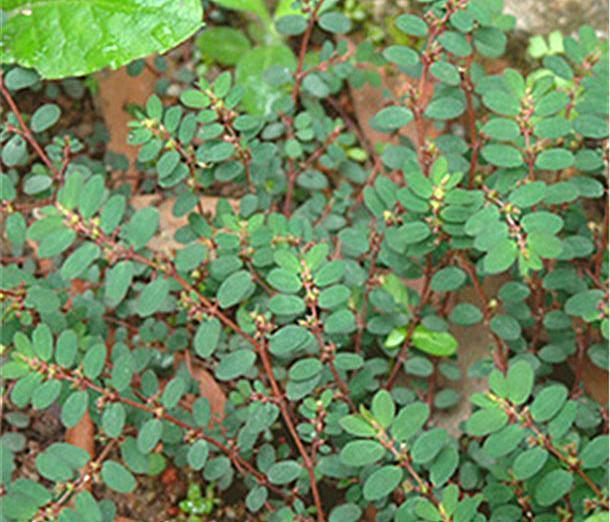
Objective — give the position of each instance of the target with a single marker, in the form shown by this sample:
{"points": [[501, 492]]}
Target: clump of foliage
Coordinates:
{"points": [[324, 300]]}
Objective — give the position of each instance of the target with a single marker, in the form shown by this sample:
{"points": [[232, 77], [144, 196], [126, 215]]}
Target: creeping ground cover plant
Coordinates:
{"points": [[334, 295]]}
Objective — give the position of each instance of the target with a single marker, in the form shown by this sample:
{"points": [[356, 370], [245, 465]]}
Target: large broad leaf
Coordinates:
{"points": [[257, 7], [258, 93], [74, 37]]}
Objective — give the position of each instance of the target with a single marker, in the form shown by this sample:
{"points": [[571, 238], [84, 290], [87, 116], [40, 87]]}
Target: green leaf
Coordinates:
{"points": [[506, 327], [553, 486], [112, 213], [284, 472], [142, 227], [74, 408], [528, 463], [100, 33], [542, 221], [555, 159], [410, 420], [284, 280], [60, 461], [501, 102], [448, 279], [439, 344], [281, 304], [361, 453], [197, 455], [502, 155], [520, 382], [169, 160], [36, 184], [79, 260], [149, 435], [504, 441], [122, 371], [330, 273], [118, 282], [585, 304], [172, 393], [547, 246], [391, 118], [501, 257], [445, 108], [465, 314], [333, 296], [291, 25], [235, 364], [65, 351], [237, 287], [224, 45], [559, 66], [94, 361], [256, 498], [46, 394], [207, 337], [548, 402], [381, 483], [335, 22], [18, 78], [113, 419], [529, 194], [428, 445], [444, 465], [357, 425], [591, 126], [14, 152], [88, 508], [426, 510], [289, 339], [401, 55], [595, 453], [56, 242], [345, 512], [455, 43], [305, 369], [118, 477], [484, 422], [446, 73], [340, 322], [45, 117], [411, 24], [383, 408], [190, 257], [42, 341], [152, 297]]}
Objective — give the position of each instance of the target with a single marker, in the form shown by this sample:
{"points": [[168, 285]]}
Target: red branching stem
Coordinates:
{"points": [[501, 353], [581, 353], [277, 392], [603, 242], [25, 130], [472, 124], [296, 89], [572, 465], [80, 483], [313, 17], [231, 453], [267, 366], [168, 268], [370, 281], [404, 350], [404, 459]]}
